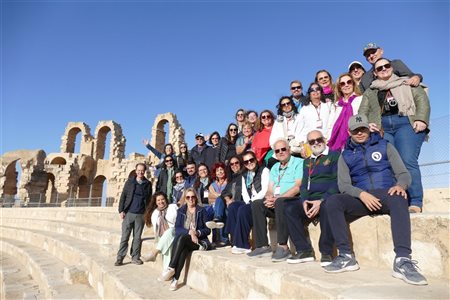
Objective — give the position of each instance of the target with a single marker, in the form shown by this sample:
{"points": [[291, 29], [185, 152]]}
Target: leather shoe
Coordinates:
{"points": [[119, 262]]}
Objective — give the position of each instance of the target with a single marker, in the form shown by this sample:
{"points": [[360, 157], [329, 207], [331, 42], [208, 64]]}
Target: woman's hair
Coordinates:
{"points": [[239, 158], [316, 79], [216, 166], [337, 87], [174, 177], [238, 111], [170, 145], [164, 166], [197, 181], [247, 124], [254, 156], [256, 124], [280, 108], [152, 206], [227, 134], [308, 97], [213, 134], [183, 197], [261, 125]]}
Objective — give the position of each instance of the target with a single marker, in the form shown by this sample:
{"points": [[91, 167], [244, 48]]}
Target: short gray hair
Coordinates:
{"points": [[280, 139]]}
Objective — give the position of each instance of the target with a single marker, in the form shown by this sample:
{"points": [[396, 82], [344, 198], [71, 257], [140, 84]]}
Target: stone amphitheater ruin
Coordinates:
{"points": [[58, 251]]}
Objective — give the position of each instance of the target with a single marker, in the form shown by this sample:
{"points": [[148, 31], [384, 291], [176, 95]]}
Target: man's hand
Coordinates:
{"points": [[373, 127], [419, 126], [122, 215], [311, 207], [370, 201], [269, 202], [413, 81], [398, 190]]}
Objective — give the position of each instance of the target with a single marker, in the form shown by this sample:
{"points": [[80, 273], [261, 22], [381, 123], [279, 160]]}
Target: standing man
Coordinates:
{"points": [[318, 184], [373, 181], [372, 53], [201, 152], [297, 94], [284, 185], [135, 197]]}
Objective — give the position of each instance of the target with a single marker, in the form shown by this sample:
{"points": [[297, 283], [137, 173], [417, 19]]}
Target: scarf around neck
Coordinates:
{"points": [[162, 224], [339, 134]]}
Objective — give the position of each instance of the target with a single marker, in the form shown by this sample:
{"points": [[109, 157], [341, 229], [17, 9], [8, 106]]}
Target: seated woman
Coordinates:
{"points": [[178, 183], [227, 145], [255, 182], [325, 81], [161, 216], [402, 113], [201, 185], [233, 193], [348, 99], [191, 234], [245, 139], [260, 144]]}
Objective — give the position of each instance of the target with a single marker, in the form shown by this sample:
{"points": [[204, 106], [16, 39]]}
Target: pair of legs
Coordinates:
{"points": [[164, 246], [399, 132], [342, 206], [182, 247], [217, 212], [239, 223], [131, 222], [296, 218]]}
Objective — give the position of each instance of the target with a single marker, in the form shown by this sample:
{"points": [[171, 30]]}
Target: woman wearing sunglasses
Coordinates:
{"points": [[255, 181], [191, 234], [179, 184], [348, 99], [164, 183], [227, 145], [261, 139], [402, 113]]}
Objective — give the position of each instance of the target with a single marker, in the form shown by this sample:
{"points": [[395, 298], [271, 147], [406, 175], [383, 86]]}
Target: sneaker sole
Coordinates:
{"points": [[402, 277], [281, 259], [298, 261], [346, 269], [324, 264], [260, 255]]}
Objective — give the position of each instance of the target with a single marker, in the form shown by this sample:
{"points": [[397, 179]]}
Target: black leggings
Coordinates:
{"points": [[182, 247]]}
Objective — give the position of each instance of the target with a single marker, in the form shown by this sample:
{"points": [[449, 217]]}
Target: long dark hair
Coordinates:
{"points": [[197, 180], [152, 206], [227, 134], [280, 108]]}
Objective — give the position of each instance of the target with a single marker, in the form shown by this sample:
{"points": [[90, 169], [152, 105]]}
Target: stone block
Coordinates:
{"points": [[76, 274]]}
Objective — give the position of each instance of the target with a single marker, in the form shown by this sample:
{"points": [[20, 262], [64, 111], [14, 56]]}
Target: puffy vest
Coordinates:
{"points": [[368, 163]]}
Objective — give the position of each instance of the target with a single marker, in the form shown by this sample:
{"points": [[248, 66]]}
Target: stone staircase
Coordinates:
{"points": [[69, 253]]}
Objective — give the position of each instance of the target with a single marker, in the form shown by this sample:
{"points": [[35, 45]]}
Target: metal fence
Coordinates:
{"points": [[40, 201]]}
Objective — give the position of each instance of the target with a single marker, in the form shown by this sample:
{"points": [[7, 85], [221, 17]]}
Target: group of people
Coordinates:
{"points": [[345, 150]]}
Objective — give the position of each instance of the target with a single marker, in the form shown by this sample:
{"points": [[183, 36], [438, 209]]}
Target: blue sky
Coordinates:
{"points": [[128, 61]]}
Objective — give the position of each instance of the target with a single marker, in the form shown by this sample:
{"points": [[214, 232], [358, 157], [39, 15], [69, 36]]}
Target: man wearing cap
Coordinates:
{"points": [[201, 152], [297, 94], [372, 52], [372, 180], [356, 70]]}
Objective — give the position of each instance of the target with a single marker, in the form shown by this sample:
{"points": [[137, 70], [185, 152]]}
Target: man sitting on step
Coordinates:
{"points": [[319, 182], [135, 197], [373, 180]]}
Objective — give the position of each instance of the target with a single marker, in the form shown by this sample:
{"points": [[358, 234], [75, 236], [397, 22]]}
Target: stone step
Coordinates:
{"points": [[214, 272], [110, 282], [16, 282], [46, 270], [436, 200]]}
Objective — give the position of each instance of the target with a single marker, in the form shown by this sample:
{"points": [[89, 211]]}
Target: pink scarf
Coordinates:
{"points": [[339, 134], [327, 90]]}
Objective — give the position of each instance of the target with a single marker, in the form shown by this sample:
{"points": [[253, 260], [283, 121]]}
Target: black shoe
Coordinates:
{"points": [[137, 261], [119, 262], [222, 244], [301, 257]]}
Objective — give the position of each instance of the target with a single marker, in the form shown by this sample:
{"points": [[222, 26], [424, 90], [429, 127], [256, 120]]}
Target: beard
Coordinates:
{"points": [[318, 149]]}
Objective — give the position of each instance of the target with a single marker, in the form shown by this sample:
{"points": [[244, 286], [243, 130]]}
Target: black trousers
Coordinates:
{"points": [[182, 247]]}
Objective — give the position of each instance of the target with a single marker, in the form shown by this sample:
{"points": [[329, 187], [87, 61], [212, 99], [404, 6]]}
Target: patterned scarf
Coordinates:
{"points": [[339, 134], [162, 224]]}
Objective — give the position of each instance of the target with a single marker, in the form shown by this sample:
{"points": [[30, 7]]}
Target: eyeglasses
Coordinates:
{"points": [[358, 130], [370, 52], [232, 129], [380, 68], [317, 89], [183, 147], [354, 67], [280, 150], [191, 197], [344, 83], [240, 115], [293, 88], [168, 160], [324, 77], [285, 104], [314, 141], [249, 161], [263, 117], [234, 163]]}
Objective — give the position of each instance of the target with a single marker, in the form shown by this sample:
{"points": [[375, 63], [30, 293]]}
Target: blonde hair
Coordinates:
{"points": [[337, 87]]}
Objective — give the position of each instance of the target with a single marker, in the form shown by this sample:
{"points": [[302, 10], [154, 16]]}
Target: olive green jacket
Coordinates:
{"points": [[371, 107]]}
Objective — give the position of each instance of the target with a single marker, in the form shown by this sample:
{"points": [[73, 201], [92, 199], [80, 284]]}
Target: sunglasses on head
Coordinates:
{"points": [[314, 141], [249, 161], [380, 68], [344, 83], [280, 150], [293, 88]]}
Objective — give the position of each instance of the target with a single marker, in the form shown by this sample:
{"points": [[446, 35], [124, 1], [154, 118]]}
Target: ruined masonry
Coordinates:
{"points": [[56, 177]]}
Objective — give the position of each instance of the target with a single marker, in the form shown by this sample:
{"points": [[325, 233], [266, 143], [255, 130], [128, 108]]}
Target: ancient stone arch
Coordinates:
{"points": [[83, 187], [176, 132], [97, 186], [58, 161], [117, 144], [69, 138]]}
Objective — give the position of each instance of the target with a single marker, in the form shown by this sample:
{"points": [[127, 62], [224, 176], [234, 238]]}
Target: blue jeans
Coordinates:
{"points": [[399, 132]]}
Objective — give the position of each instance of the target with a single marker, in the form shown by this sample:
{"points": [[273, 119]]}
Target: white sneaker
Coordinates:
{"points": [[173, 285], [236, 250], [214, 225], [167, 274]]}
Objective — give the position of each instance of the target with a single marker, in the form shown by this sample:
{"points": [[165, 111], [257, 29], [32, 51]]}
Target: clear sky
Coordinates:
{"points": [[128, 61]]}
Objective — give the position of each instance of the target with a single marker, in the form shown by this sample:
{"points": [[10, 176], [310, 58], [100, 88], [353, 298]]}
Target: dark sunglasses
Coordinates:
{"points": [[317, 89], [354, 67], [249, 161], [190, 197], [285, 104], [169, 160], [263, 117], [318, 140], [235, 163], [370, 52], [232, 129], [280, 150], [380, 68], [344, 83], [293, 88]]}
